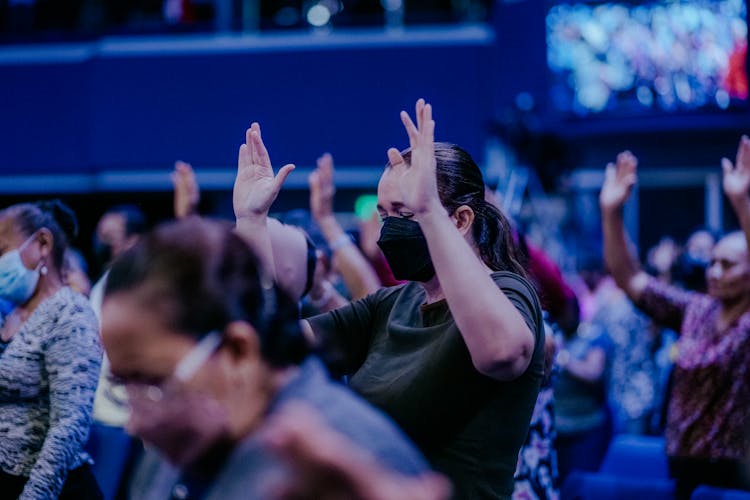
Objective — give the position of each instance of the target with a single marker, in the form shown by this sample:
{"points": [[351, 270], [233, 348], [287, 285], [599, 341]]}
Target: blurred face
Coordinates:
{"points": [[700, 244], [728, 275], [220, 403], [22, 258], [12, 238], [111, 231]]}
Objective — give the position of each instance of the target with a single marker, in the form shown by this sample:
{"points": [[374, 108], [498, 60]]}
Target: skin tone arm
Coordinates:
{"points": [[348, 260], [736, 183], [186, 191], [323, 295], [619, 179], [499, 341], [255, 189]]}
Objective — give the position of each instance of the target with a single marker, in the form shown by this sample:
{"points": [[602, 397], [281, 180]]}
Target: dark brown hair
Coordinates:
{"points": [[460, 182], [53, 215], [210, 277]]}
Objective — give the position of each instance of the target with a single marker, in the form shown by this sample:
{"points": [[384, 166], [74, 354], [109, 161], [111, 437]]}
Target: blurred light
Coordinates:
{"points": [[722, 98], [391, 5], [593, 96], [318, 15], [661, 85], [645, 96]]}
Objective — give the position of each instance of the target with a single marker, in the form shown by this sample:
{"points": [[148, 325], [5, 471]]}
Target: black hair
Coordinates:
{"points": [[460, 182], [135, 220], [210, 277], [53, 215]]}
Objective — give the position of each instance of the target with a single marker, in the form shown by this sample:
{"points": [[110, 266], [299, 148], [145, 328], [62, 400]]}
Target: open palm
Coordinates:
{"points": [[418, 181], [736, 180], [619, 179], [256, 187], [322, 188]]}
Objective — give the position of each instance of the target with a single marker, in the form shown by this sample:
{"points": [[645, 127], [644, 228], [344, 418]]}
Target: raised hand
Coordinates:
{"points": [[186, 190], [322, 188], [256, 187], [418, 181], [736, 179], [619, 179]]}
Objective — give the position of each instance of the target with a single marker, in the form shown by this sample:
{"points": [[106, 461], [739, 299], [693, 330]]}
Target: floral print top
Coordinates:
{"points": [[536, 471], [708, 413]]}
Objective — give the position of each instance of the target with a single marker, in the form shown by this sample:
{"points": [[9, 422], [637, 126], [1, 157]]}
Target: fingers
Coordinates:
{"points": [[250, 145], [325, 171], [743, 153], [610, 173], [411, 129], [726, 166], [428, 124], [395, 158], [313, 180], [282, 175], [325, 161], [261, 154], [419, 109], [243, 158]]}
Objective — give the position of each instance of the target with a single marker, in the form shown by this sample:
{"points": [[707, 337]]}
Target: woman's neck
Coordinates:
{"points": [[433, 291], [48, 285]]}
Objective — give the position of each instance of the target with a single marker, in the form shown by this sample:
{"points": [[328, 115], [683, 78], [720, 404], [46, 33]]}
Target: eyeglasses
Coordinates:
{"points": [[185, 369]]}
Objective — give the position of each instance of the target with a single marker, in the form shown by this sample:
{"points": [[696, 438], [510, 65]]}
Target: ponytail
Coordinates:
{"points": [[493, 236]]}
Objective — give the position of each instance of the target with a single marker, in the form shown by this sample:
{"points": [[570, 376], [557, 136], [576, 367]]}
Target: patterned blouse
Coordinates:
{"points": [[48, 376], [708, 411]]}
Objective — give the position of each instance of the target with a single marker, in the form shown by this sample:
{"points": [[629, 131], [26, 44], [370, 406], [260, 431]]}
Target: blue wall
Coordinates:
{"points": [[138, 104]]}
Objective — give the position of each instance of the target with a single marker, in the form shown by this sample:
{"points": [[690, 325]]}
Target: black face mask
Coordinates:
{"points": [[405, 249]]}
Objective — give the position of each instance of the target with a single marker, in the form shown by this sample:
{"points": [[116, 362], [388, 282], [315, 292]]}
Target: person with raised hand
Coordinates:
{"points": [[347, 259], [456, 354], [255, 189], [707, 419], [187, 193]]}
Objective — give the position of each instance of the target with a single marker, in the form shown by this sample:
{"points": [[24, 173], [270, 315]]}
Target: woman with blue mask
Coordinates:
{"points": [[456, 355], [50, 356]]}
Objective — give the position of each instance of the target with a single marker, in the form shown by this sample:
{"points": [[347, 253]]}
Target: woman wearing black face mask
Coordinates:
{"points": [[455, 356]]}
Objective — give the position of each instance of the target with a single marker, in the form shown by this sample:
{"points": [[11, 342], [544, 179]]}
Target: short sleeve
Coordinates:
{"points": [[522, 295], [343, 335]]}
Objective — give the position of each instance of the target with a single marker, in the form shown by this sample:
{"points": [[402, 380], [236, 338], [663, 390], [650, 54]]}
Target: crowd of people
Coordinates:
{"points": [[439, 355]]}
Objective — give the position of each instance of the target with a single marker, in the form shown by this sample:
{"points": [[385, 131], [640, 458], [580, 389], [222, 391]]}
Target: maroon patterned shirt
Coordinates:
{"points": [[709, 409]]}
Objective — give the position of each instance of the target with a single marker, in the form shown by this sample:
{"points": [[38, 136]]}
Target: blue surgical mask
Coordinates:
{"points": [[17, 282]]}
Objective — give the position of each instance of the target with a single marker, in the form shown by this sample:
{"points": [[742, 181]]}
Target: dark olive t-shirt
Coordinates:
{"points": [[410, 360]]}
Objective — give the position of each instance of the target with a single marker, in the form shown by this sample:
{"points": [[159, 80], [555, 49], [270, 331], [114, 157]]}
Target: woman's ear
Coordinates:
{"points": [[241, 341], [464, 217], [46, 242]]}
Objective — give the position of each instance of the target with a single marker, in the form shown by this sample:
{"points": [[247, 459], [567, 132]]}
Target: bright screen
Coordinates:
{"points": [[630, 58]]}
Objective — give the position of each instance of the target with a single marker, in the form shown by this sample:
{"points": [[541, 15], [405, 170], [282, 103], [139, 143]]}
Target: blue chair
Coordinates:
{"points": [[642, 457], [711, 493], [110, 447], [599, 486]]}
